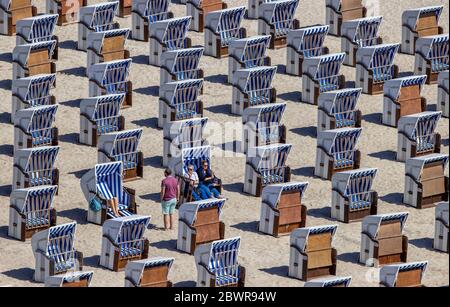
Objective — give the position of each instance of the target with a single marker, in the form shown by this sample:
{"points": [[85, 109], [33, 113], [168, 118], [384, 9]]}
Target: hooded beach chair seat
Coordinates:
{"points": [[282, 209], [78, 279], [403, 275], [336, 151], [321, 74], [123, 146], [111, 78], [146, 12], [106, 46], [168, 34], [252, 87], [102, 183], [33, 127], [31, 210], [330, 282], [337, 109], [276, 18], [198, 9], [425, 181], [35, 167], [151, 272], [312, 253], [304, 43], [33, 59], [403, 96], [419, 22], [441, 233], [123, 241], [182, 64], [352, 197], [55, 253], [180, 100], [100, 115], [417, 136], [37, 29], [12, 11], [382, 239], [66, 9], [199, 222], [356, 33], [94, 18], [443, 93], [266, 165], [431, 56], [221, 27], [338, 11], [217, 264]]}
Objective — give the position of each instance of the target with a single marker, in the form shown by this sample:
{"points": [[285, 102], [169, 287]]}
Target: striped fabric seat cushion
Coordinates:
{"points": [[41, 181], [224, 280], [437, 66], [381, 76], [343, 162], [341, 123], [64, 266], [272, 178], [359, 205], [425, 146], [123, 210], [107, 129], [130, 251], [36, 221]]}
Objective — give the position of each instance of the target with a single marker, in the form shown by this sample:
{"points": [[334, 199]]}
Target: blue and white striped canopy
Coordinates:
{"points": [[77, 276], [362, 31], [194, 156], [426, 124], [230, 246], [422, 265], [310, 40], [43, 118], [21, 53], [254, 51], [259, 78], [186, 91], [323, 229], [156, 9], [328, 65], [116, 71], [36, 201], [102, 16], [151, 263], [337, 282], [345, 140], [175, 32], [40, 158], [360, 181], [382, 55], [132, 229], [345, 100], [401, 216], [272, 156], [107, 106], [38, 28], [182, 60]]}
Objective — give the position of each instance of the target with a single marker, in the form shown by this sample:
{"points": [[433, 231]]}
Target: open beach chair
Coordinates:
{"points": [[78, 279], [403, 275], [199, 222], [282, 208], [312, 253], [106, 46], [151, 272], [443, 93], [13, 10], [32, 210], [441, 233], [123, 241], [338, 11], [67, 10], [217, 264], [330, 282], [182, 64], [33, 59], [431, 56], [146, 12], [198, 9]]}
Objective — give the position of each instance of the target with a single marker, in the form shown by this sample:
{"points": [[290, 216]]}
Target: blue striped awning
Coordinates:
{"points": [[151, 263], [383, 55], [322, 229], [337, 282], [260, 78], [103, 15], [175, 33], [402, 216], [360, 181], [43, 118], [283, 16], [116, 32], [255, 50], [195, 156], [132, 229], [211, 203], [41, 158], [422, 265], [65, 230], [432, 159], [414, 80], [39, 87], [76, 276], [295, 186], [41, 29], [216, 262], [312, 40]]}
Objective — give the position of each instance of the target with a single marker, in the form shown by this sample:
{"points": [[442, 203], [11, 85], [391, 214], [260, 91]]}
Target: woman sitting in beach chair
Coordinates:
{"points": [[208, 181], [13, 10]]}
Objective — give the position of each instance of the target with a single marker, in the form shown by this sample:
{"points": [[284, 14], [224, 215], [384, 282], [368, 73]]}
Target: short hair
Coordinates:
{"points": [[168, 171], [190, 165]]}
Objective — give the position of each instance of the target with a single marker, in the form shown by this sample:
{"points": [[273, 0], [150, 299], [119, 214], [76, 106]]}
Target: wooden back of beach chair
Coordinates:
{"points": [[319, 250], [427, 24], [289, 206], [207, 225], [155, 276], [20, 9], [410, 278], [113, 48], [351, 9], [433, 179], [390, 239], [39, 63], [410, 100]]}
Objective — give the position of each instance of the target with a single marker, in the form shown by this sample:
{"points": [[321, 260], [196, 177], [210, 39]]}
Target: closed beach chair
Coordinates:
{"points": [[282, 209], [382, 239], [352, 197], [312, 253], [55, 253], [198, 9], [123, 146], [217, 264], [125, 7], [66, 9], [106, 46], [70, 280], [13, 10], [338, 11], [182, 64], [441, 233], [146, 12], [425, 181], [32, 210], [33, 59], [151, 272], [443, 93], [253, 7], [431, 56], [304, 43], [330, 282], [123, 241], [336, 151], [403, 275], [199, 222]]}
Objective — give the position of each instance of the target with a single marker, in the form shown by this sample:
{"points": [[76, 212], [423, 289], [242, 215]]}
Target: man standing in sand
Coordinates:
{"points": [[169, 197]]}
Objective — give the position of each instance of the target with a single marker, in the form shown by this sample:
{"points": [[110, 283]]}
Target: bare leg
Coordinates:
{"points": [[171, 221], [166, 222]]}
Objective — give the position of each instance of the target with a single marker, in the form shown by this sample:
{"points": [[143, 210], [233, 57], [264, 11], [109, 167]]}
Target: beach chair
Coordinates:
{"points": [[123, 146], [337, 109], [402, 97], [266, 165], [100, 115], [151, 272], [199, 222], [253, 7], [443, 93], [33, 59], [419, 22], [441, 233], [338, 11], [321, 74], [425, 181], [55, 253], [182, 134], [198, 9], [70, 280], [253, 87], [403, 275], [336, 152], [168, 34], [352, 197], [125, 7], [221, 27], [182, 64], [357, 33], [13, 10], [180, 100], [94, 18], [35, 167], [33, 127], [276, 18], [217, 264], [282, 209], [106, 46], [67, 10], [34, 91], [111, 78], [382, 239], [32, 210], [146, 12], [375, 66], [37, 29], [329, 282], [416, 135], [304, 43], [104, 182], [431, 56], [262, 126], [312, 253], [123, 241]]}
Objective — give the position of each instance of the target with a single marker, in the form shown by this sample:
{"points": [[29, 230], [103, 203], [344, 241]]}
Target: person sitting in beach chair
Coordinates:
{"points": [[12, 11], [441, 228], [66, 9], [196, 191], [144, 13], [208, 181], [338, 11], [33, 59], [403, 275], [151, 272], [432, 56], [70, 280], [443, 93]]}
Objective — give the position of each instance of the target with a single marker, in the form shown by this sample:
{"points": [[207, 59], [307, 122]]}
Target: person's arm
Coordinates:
{"points": [[163, 191]]}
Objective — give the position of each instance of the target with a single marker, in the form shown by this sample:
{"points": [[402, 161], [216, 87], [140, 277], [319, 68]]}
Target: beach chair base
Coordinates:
{"points": [[408, 149], [422, 66], [428, 192], [21, 180], [410, 279], [254, 183], [284, 220], [325, 164], [213, 43], [340, 208], [441, 236], [111, 259], [327, 121], [366, 81], [207, 278], [96, 89], [251, 138], [235, 64], [45, 267], [393, 110], [241, 101], [190, 236], [8, 20], [18, 227], [124, 8], [313, 264], [168, 114], [311, 89]]}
